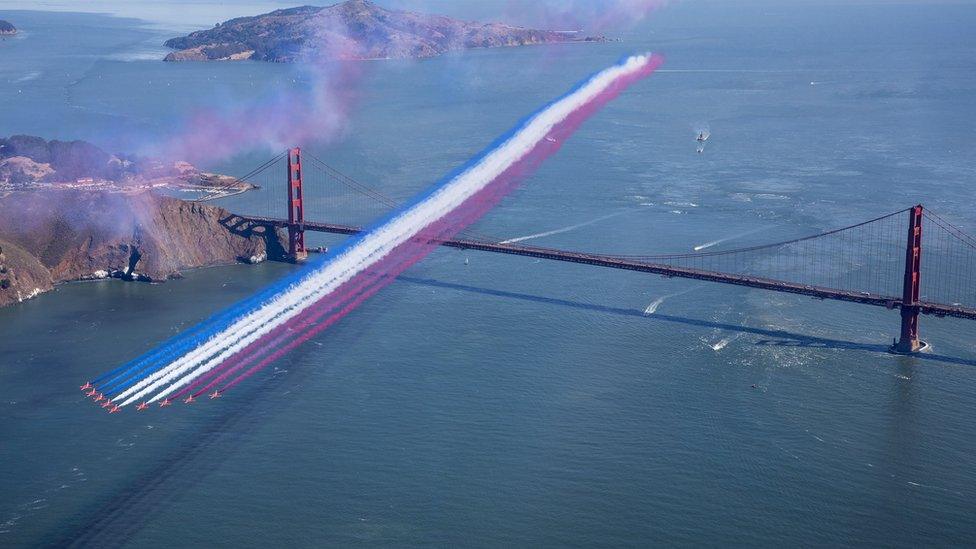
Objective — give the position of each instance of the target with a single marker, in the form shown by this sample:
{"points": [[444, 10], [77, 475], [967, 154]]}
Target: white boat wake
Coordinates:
{"points": [[565, 229], [714, 243]]}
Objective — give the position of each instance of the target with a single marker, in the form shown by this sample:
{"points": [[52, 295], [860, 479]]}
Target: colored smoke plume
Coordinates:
{"points": [[588, 15], [257, 331], [314, 110], [317, 108]]}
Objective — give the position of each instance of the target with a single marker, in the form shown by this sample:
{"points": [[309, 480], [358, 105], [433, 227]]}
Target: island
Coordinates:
{"points": [[70, 211], [6, 29], [352, 30]]}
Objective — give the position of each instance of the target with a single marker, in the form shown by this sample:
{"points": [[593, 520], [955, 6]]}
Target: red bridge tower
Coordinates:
{"points": [[909, 341], [296, 208]]}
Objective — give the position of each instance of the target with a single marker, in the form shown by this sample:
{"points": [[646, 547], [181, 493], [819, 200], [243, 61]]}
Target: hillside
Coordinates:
{"points": [[30, 162], [356, 29], [53, 236]]}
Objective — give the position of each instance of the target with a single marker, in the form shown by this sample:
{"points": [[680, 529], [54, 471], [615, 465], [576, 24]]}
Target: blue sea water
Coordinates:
{"points": [[512, 402]]}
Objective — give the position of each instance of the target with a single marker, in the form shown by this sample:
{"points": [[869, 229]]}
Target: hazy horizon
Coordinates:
{"points": [[187, 14]]}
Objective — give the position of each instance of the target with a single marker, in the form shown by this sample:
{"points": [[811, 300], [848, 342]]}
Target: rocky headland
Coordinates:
{"points": [[356, 29], [71, 211], [6, 29], [59, 235]]}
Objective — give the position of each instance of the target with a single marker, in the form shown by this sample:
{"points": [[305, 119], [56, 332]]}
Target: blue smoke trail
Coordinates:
{"points": [[202, 340], [130, 372]]}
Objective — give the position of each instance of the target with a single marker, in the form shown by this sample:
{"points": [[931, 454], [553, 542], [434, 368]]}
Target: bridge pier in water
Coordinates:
{"points": [[296, 208], [909, 341]]}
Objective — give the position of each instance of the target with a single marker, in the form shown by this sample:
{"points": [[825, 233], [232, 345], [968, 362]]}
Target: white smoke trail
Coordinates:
{"points": [[375, 245], [564, 229]]}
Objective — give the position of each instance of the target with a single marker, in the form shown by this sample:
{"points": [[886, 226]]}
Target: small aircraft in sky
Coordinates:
{"points": [[143, 406], [86, 386], [165, 403], [91, 393], [115, 409], [215, 394], [188, 400]]}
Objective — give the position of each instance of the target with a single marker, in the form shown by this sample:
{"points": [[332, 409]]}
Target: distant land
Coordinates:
{"points": [[6, 28], [356, 29], [30, 162], [71, 211], [52, 236]]}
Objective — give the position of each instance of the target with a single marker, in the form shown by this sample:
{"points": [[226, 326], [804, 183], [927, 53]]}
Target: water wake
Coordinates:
{"points": [[652, 308], [714, 243], [721, 344], [564, 229]]}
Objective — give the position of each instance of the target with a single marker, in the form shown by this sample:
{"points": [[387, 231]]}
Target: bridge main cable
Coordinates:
{"points": [[217, 189], [377, 195], [760, 247], [669, 271]]}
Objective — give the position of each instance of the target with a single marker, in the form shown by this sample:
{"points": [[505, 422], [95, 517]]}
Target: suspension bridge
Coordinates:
{"points": [[877, 262]]}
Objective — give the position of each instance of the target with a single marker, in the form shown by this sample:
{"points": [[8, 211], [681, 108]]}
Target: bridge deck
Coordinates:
{"points": [[889, 302]]}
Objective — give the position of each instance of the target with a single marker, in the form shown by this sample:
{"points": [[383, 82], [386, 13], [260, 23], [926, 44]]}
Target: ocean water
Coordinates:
{"points": [[505, 401]]}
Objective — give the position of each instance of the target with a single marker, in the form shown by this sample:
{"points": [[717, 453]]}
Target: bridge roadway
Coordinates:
{"points": [[669, 271]]}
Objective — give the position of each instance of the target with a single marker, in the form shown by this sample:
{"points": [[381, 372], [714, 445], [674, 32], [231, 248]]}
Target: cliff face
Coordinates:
{"points": [[356, 29], [55, 236], [21, 275]]}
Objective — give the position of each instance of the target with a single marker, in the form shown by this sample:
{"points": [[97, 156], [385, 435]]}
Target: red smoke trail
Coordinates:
{"points": [[295, 326], [402, 256], [269, 341], [382, 273], [301, 324], [470, 211]]}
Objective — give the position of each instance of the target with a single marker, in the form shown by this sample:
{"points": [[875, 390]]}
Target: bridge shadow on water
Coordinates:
{"points": [[770, 338], [119, 512], [113, 519], [276, 246]]}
